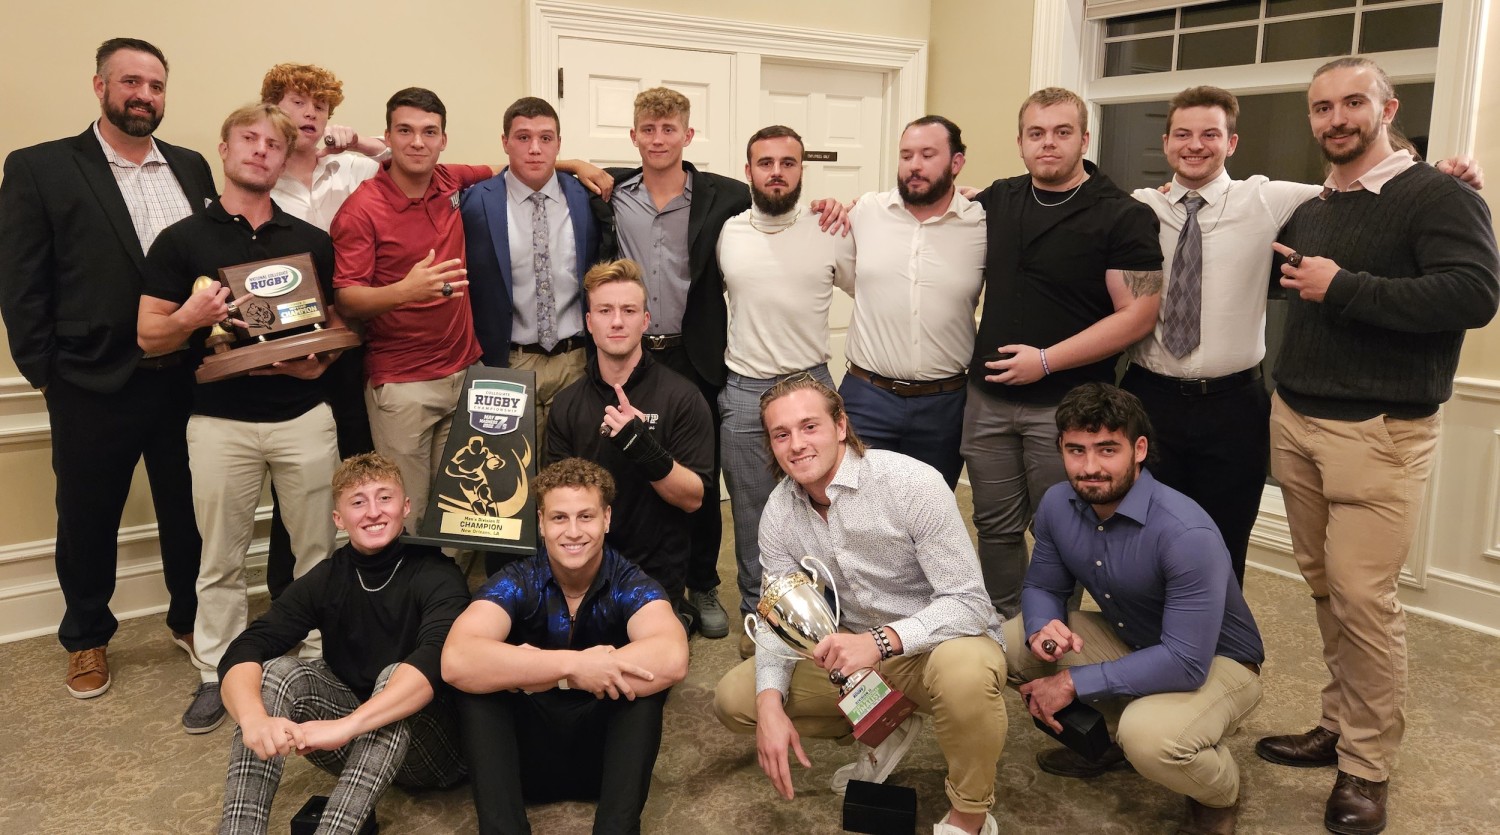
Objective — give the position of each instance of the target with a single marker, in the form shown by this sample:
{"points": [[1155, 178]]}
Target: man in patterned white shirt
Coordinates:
{"points": [[888, 529]]}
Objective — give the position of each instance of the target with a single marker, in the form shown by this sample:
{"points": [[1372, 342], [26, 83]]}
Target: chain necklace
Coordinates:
{"points": [[775, 230], [387, 582], [1071, 195]]}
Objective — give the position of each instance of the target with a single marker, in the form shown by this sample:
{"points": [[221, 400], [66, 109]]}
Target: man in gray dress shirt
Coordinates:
{"points": [[888, 529]]}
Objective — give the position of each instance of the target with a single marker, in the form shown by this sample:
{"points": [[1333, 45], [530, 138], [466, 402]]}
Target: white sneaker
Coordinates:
{"points": [[876, 764], [943, 827]]}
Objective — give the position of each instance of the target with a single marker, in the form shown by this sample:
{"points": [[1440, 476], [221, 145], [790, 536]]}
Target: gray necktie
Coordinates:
{"points": [[1184, 322], [541, 268]]}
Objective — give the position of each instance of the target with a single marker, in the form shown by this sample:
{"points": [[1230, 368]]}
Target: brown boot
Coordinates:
{"points": [[1356, 806], [1209, 820], [747, 645], [88, 673], [1064, 762], [1313, 749]]}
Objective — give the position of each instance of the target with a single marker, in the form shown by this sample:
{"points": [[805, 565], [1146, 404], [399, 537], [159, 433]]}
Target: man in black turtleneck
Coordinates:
{"points": [[375, 710], [643, 422], [1072, 277]]}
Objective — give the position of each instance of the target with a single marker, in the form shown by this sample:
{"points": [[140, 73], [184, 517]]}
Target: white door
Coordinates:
{"points": [[837, 111], [599, 84]]}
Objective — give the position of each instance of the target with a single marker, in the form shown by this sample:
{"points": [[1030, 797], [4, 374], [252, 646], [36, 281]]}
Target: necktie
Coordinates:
{"points": [[1184, 320], [541, 268]]}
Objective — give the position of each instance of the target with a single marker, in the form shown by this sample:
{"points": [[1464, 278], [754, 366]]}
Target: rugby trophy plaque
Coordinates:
{"points": [[481, 493], [285, 317], [794, 609]]}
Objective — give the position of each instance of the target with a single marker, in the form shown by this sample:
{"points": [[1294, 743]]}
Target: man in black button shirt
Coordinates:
{"points": [[643, 422], [275, 419], [1073, 277]]}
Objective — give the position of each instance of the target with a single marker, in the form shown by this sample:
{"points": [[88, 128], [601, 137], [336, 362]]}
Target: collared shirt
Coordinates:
{"points": [[334, 179], [1160, 573], [1239, 221], [538, 611], [918, 285], [658, 241], [152, 194], [1375, 179], [896, 548], [562, 249], [379, 235], [779, 272]]}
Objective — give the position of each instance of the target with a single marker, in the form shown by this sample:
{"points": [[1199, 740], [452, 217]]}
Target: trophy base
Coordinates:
{"points": [[238, 362], [1084, 730], [874, 707], [879, 809], [306, 821]]}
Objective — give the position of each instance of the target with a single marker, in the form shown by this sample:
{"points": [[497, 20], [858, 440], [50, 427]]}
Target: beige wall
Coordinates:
{"points": [[1481, 356], [979, 72]]}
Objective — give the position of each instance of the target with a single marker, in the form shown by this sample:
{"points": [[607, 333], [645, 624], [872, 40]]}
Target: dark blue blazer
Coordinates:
{"points": [[487, 241]]}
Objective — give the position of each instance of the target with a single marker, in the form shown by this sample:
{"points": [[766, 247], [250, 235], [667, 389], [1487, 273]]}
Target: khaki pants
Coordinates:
{"points": [[553, 374], [1175, 739], [409, 424], [1353, 491], [959, 684], [229, 460]]}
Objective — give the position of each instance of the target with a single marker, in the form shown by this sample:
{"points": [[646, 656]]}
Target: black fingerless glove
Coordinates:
{"points": [[642, 450]]}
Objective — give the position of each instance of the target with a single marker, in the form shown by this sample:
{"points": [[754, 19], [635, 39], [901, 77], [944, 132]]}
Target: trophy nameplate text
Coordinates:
{"points": [[284, 313]]}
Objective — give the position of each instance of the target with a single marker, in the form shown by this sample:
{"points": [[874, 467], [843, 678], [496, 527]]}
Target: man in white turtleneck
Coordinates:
{"points": [[779, 271]]}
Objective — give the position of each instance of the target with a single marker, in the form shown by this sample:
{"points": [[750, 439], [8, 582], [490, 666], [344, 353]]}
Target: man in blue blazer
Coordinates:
{"points": [[531, 235], [76, 218]]}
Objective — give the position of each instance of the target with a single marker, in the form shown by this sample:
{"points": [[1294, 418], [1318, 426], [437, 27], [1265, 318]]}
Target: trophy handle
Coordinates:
{"points": [[752, 628], [838, 615]]}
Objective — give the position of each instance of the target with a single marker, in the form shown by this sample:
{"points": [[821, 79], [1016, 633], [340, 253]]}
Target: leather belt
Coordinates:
{"points": [[164, 361], [1197, 386], [910, 388], [572, 343], [661, 341]]}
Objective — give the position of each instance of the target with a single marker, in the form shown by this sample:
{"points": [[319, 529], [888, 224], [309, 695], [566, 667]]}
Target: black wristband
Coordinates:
{"points": [[642, 450]]}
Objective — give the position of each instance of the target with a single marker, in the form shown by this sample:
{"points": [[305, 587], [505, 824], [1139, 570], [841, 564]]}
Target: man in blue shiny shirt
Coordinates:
{"points": [[1174, 652], [564, 661]]}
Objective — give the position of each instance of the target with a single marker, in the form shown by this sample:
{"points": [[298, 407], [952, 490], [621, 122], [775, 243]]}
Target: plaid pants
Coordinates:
{"points": [[420, 751]]}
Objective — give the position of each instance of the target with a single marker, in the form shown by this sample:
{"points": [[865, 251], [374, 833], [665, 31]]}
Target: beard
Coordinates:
{"points": [[771, 204], [130, 123], [1353, 152], [1103, 492], [937, 190]]}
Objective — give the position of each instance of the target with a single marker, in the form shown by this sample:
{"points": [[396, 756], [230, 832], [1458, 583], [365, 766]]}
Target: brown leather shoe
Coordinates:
{"points": [[747, 645], [1356, 806], [88, 673], [1209, 820], [184, 642], [1063, 762], [1313, 749]]}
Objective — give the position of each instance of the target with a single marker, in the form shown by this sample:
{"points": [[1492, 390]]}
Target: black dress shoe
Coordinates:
{"points": [[1313, 749], [1063, 762], [1356, 806]]}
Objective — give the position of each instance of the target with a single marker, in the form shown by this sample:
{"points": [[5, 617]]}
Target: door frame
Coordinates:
{"points": [[903, 61]]}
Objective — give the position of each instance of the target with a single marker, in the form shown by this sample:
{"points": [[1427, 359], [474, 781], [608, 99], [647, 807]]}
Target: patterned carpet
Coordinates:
{"points": [[121, 763]]}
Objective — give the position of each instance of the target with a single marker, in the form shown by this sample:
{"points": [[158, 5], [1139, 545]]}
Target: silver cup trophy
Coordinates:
{"points": [[794, 608]]}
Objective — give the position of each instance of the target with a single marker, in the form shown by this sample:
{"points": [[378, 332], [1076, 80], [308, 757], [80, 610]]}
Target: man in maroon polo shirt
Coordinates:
{"points": [[399, 245]]}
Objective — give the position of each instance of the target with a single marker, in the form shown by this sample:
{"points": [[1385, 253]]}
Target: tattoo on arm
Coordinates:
{"points": [[1143, 282]]}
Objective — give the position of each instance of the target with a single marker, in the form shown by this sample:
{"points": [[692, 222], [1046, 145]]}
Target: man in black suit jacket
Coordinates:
{"points": [[76, 218], [685, 288]]}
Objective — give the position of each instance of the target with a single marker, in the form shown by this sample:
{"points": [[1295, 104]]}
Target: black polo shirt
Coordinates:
{"points": [[201, 244], [1044, 273], [646, 529]]}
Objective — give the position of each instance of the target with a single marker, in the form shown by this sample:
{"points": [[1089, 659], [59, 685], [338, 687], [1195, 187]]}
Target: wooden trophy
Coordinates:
{"points": [[285, 318]]}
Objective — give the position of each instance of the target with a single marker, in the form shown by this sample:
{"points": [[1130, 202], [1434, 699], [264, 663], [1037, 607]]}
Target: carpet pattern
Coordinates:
{"points": [[120, 763]]}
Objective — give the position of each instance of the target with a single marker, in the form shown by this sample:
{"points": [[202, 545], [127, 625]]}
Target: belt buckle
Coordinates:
{"points": [[897, 385], [1198, 385], [655, 341]]}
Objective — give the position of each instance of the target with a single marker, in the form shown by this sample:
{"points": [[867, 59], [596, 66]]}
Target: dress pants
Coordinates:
{"points": [[927, 428], [749, 470], [420, 751], [960, 684], [410, 423], [560, 745], [1011, 450], [1173, 739], [553, 374], [1353, 491], [97, 440], [708, 524], [230, 460], [1212, 448]]}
